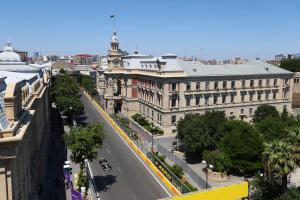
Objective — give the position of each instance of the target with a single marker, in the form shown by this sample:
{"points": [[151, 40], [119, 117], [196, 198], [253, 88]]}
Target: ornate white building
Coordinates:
{"points": [[24, 126], [166, 88]]}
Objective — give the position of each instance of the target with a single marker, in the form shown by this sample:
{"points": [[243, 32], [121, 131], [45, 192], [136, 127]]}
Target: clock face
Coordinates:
{"points": [[115, 62]]}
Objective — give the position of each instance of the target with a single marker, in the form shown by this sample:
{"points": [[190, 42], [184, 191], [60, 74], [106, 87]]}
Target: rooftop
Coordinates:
{"points": [[170, 63]]}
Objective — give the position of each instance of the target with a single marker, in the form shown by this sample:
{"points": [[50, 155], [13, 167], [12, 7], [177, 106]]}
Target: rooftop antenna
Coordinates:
{"points": [[113, 16], [201, 54], [136, 50]]}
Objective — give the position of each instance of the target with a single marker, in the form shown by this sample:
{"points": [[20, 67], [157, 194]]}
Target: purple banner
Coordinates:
{"points": [[67, 175], [76, 195]]}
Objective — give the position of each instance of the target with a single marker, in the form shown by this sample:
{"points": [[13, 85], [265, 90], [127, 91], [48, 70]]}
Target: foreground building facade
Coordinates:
{"points": [[164, 89], [24, 126]]}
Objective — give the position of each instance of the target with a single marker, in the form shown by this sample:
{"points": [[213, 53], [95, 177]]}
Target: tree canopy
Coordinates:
{"points": [[244, 146], [88, 84], [84, 142], [66, 94], [264, 111], [201, 132], [290, 64]]}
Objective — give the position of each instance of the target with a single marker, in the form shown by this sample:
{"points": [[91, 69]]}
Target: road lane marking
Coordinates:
{"points": [[108, 151], [93, 103], [119, 170]]}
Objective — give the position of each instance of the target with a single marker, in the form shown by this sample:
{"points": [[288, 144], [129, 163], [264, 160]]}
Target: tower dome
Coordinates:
{"points": [[8, 54], [114, 38]]}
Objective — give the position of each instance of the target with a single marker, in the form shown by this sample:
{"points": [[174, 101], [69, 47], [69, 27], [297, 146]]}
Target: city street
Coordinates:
{"points": [[128, 178]]}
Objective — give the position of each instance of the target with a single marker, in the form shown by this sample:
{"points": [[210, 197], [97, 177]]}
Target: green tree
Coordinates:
{"points": [[71, 106], [218, 159], [284, 115], [201, 132], [244, 146], [264, 111], [66, 94], [290, 64], [87, 82], [177, 170], [65, 85], [271, 128], [290, 194], [278, 158], [266, 188], [84, 142]]}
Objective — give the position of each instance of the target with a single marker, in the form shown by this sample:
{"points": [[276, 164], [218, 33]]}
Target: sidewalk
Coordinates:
{"points": [[75, 167], [166, 142]]}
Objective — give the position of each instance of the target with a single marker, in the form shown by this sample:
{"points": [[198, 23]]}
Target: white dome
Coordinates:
{"points": [[8, 54], [114, 38]]}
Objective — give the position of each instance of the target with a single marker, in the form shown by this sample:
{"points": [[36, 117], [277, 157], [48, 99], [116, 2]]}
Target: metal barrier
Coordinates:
{"points": [[200, 181], [170, 175], [187, 169], [92, 189]]}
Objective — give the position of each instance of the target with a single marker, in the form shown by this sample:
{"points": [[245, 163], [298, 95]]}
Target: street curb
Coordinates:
{"points": [[145, 159]]}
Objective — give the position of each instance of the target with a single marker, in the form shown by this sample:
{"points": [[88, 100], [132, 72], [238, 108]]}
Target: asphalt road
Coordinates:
{"points": [[128, 179]]}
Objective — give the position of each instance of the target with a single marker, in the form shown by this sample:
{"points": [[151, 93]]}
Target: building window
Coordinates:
{"points": [[215, 99], [152, 113], [216, 85], [243, 83], [285, 92], [206, 100], [158, 117], [188, 101], [251, 83], [173, 102], [224, 84], [188, 86], [242, 111], [274, 95], [250, 111], [197, 85], [258, 96], [233, 84], [224, 99], [267, 96], [173, 119], [148, 111], [275, 82], [197, 100], [268, 82], [260, 83], [242, 97], [251, 97], [232, 98], [173, 86], [286, 81], [206, 85]]}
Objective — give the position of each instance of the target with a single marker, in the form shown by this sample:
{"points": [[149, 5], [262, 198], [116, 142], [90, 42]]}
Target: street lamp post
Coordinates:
{"points": [[206, 168], [152, 142]]}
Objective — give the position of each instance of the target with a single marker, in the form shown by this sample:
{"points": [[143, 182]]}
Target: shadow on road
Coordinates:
{"points": [[103, 183], [81, 120]]}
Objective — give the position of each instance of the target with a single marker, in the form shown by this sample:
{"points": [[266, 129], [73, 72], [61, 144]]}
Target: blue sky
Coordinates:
{"points": [[222, 28]]}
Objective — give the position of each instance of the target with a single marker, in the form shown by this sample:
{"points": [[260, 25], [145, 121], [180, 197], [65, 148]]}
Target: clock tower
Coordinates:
{"points": [[114, 54]]}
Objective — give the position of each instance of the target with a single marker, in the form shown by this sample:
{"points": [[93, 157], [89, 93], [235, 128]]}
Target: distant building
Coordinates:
{"points": [[164, 89]]}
